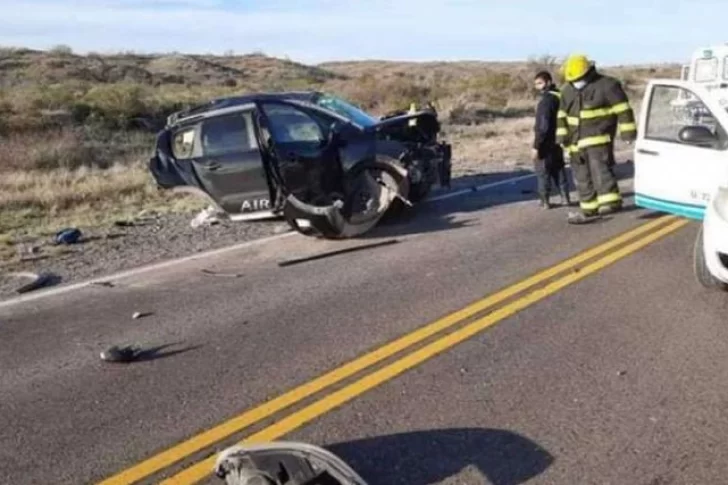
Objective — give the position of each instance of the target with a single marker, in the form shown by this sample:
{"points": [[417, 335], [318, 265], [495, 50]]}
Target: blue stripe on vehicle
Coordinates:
{"points": [[691, 211]]}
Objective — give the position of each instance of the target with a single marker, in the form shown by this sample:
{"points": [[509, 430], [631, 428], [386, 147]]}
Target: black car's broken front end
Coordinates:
{"points": [[327, 167]]}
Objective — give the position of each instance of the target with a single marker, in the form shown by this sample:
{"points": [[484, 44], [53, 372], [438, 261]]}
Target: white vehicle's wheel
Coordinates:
{"points": [[700, 268]]}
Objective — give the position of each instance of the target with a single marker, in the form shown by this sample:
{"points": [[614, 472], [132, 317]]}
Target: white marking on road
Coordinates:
{"points": [[140, 270], [216, 252], [478, 188]]}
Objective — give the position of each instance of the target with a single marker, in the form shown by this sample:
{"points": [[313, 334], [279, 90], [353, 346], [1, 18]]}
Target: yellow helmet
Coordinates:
{"points": [[576, 66]]}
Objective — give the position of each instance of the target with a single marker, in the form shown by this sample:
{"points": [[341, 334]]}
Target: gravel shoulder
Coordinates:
{"points": [[145, 241], [156, 238]]}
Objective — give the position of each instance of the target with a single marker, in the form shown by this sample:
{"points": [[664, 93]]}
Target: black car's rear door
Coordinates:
{"points": [[229, 164]]}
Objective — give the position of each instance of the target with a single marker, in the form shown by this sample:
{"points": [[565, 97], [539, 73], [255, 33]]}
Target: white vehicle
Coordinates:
{"points": [[681, 167], [708, 67]]}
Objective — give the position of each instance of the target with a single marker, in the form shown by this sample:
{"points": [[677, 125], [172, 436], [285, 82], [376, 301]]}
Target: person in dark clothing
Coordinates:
{"points": [[547, 154]]}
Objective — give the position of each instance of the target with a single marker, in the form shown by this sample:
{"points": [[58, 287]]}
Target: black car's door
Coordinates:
{"points": [[229, 164], [307, 160]]}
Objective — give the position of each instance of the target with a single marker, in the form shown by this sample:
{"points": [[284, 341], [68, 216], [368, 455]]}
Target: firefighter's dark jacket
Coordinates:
{"points": [[593, 115], [546, 122]]}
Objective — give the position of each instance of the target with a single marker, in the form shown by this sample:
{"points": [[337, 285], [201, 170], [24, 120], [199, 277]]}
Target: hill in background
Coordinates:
{"points": [[77, 129], [38, 87]]}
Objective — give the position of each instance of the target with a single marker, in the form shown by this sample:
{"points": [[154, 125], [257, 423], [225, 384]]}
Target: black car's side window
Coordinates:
{"points": [[288, 124], [183, 143], [225, 134]]}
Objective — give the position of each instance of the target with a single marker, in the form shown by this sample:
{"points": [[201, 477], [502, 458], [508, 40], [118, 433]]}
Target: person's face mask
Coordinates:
{"points": [[579, 84]]}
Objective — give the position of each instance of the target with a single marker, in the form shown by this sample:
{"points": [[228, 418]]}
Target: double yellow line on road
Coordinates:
{"points": [[607, 253]]}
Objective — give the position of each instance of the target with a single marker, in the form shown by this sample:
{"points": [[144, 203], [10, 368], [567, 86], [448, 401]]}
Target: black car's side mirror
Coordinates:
{"points": [[697, 135]]}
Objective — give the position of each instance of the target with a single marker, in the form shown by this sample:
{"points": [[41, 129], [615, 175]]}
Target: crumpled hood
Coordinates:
{"points": [[385, 124]]}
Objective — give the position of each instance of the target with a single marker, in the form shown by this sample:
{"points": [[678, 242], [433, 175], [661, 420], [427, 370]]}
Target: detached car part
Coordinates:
{"points": [[283, 463], [324, 165]]}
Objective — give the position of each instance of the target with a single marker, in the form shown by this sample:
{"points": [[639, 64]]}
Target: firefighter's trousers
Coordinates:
{"points": [[595, 179]]}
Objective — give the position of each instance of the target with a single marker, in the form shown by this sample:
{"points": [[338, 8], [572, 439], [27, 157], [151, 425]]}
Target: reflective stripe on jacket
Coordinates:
{"points": [[593, 115]]}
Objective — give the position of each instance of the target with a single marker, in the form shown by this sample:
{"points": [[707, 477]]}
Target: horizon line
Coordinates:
{"points": [[260, 52]]}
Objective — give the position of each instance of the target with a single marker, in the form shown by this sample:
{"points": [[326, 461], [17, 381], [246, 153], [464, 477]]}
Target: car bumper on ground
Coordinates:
{"points": [[715, 235]]}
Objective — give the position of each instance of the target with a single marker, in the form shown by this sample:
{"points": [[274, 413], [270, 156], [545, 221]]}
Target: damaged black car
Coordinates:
{"points": [[326, 166]]}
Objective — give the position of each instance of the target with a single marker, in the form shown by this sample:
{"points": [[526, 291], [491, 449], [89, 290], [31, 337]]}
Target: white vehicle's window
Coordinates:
{"points": [[289, 124], [225, 134], [706, 69], [183, 143], [725, 67], [668, 113], [684, 73]]}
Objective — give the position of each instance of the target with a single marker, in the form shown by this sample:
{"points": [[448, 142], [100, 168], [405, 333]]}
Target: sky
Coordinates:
{"points": [[614, 32]]}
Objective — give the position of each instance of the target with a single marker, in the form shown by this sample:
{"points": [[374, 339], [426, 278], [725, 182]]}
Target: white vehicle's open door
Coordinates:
{"points": [[681, 155]]}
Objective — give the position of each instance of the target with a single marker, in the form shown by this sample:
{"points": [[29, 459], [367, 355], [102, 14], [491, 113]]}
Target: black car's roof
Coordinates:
{"points": [[232, 101]]}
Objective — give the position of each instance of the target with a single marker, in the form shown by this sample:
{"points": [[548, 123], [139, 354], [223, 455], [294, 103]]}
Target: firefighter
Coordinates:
{"points": [[547, 155], [594, 107]]}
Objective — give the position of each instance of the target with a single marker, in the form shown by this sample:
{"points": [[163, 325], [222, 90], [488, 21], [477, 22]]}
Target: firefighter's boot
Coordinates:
{"points": [[581, 217]]}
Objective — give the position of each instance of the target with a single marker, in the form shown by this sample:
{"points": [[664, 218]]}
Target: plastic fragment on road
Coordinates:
{"points": [[119, 354], [221, 274], [38, 280], [206, 217]]}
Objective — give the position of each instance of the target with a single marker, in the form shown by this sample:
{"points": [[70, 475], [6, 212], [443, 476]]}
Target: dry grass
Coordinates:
{"points": [[76, 177], [40, 202], [505, 142], [77, 130]]}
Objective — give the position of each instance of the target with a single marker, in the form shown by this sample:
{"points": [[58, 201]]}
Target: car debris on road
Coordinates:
{"points": [[293, 463], [206, 217], [69, 235], [120, 354], [37, 280]]}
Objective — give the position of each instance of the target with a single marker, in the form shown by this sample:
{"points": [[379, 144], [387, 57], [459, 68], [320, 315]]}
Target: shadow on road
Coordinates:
{"points": [[447, 214], [428, 217], [156, 353], [426, 457]]}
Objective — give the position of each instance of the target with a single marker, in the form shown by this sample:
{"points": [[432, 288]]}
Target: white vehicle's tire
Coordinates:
{"points": [[700, 268]]}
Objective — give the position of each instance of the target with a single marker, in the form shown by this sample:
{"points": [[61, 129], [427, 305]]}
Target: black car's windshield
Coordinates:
{"points": [[345, 109]]}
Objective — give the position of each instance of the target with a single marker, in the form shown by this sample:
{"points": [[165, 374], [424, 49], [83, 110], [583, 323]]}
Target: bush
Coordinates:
{"points": [[116, 104], [61, 50], [80, 112]]}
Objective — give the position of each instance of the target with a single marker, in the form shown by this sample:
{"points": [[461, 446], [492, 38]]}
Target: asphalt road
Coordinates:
{"points": [[609, 373]]}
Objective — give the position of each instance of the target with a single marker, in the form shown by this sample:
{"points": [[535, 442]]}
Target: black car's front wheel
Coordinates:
{"points": [[371, 192]]}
